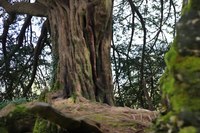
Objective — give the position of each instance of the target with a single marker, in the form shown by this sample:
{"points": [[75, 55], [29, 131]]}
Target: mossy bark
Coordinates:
{"points": [[181, 81], [81, 34]]}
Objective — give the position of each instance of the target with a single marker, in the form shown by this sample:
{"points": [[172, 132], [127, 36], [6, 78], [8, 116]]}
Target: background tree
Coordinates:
{"points": [[142, 31], [20, 56]]}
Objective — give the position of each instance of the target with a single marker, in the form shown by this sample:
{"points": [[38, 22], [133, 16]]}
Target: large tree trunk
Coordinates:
{"points": [[81, 35]]}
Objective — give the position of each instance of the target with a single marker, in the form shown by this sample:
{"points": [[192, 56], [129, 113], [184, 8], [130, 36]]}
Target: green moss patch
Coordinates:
{"points": [[192, 4], [189, 129], [44, 126]]}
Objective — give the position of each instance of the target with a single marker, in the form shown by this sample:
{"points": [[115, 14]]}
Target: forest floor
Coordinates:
{"points": [[109, 119]]}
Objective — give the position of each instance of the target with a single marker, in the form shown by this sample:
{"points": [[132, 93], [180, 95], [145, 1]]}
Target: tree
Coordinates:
{"points": [[180, 83], [142, 31], [81, 35], [21, 54]]}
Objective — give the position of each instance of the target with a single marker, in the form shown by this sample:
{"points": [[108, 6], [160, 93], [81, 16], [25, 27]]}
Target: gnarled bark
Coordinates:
{"points": [[81, 33]]}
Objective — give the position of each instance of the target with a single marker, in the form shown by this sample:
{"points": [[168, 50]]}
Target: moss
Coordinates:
{"points": [[186, 70], [44, 126], [107, 4], [166, 118], [192, 4], [43, 96], [189, 129], [56, 86], [183, 101], [74, 97], [18, 120], [40, 126], [188, 64], [19, 111], [186, 8], [3, 130], [166, 83], [87, 64], [181, 80], [167, 80], [171, 56]]}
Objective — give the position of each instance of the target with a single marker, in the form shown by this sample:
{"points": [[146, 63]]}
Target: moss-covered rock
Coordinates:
{"points": [[16, 119]]}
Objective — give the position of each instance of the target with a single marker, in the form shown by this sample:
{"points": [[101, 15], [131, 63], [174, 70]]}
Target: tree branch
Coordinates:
{"points": [[34, 9], [37, 52]]}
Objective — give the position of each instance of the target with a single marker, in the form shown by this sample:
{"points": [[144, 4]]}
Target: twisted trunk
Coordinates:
{"points": [[81, 34]]}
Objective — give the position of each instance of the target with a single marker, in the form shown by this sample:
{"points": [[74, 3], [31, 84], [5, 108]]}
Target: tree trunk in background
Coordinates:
{"points": [[181, 82], [81, 35]]}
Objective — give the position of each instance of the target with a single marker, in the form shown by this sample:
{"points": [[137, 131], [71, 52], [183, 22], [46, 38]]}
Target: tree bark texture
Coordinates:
{"points": [[81, 35]]}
